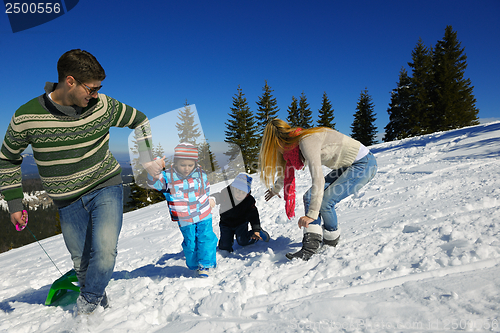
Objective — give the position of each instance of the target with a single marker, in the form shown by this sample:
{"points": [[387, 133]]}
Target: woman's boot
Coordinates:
{"points": [[311, 243], [331, 238]]}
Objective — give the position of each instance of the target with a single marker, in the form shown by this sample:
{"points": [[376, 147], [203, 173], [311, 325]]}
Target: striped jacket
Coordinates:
{"points": [[71, 152], [187, 197]]}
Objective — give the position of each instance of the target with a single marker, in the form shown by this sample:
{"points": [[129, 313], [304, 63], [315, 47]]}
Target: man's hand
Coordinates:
{"points": [[19, 218], [155, 167]]}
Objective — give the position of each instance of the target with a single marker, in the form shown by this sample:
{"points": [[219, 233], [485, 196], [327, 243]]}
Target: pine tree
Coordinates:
{"points": [[305, 113], [326, 113], [46, 220], [187, 127], [453, 98], [242, 131], [158, 151], [293, 113], [208, 162], [399, 126], [141, 196], [363, 128], [422, 107], [266, 110]]}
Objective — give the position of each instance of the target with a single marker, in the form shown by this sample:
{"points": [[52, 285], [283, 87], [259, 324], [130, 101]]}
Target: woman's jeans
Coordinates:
{"points": [[339, 184], [90, 228]]}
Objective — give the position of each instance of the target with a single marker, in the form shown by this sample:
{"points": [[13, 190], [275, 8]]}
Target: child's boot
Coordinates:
{"points": [[203, 272], [264, 235]]}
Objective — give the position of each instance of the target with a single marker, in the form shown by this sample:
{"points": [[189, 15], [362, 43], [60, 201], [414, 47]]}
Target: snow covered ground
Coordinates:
{"points": [[420, 252]]}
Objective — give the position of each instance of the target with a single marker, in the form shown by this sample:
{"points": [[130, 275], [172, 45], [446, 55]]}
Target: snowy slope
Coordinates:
{"points": [[420, 251]]}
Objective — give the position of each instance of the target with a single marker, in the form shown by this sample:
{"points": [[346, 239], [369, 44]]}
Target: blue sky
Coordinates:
{"points": [[158, 54]]}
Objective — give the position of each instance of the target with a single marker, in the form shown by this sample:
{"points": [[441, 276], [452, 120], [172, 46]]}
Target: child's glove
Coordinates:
{"points": [[256, 235]]}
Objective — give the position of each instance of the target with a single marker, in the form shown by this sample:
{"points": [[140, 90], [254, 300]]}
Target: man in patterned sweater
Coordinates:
{"points": [[68, 130]]}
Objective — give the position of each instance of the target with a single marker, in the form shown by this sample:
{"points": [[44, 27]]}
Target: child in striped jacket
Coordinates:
{"points": [[186, 188]]}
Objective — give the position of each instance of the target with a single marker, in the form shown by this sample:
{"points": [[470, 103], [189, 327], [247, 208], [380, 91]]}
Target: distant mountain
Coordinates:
{"points": [[28, 167], [122, 158], [30, 170]]}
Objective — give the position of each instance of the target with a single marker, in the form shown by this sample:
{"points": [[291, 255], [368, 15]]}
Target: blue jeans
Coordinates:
{"points": [[339, 184], [243, 236], [199, 244], [90, 228]]}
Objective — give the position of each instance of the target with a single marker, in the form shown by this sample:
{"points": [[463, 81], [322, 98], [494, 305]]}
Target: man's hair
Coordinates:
{"points": [[80, 64]]}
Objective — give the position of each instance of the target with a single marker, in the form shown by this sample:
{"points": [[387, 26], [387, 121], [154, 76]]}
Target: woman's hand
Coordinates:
{"points": [[269, 194], [304, 221]]}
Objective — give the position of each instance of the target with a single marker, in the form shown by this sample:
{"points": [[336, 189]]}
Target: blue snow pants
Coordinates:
{"points": [[199, 244]]}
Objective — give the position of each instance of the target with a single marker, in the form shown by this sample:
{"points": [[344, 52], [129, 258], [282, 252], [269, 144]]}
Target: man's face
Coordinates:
{"points": [[79, 93], [185, 167]]}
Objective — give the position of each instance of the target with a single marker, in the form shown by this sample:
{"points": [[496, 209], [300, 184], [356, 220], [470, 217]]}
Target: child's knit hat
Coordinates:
{"points": [[186, 151], [243, 182]]}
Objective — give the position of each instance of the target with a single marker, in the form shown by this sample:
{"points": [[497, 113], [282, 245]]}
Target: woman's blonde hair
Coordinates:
{"points": [[278, 134]]}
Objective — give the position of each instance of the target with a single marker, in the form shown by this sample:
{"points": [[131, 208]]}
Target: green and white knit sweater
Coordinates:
{"points": [[70, 146]]}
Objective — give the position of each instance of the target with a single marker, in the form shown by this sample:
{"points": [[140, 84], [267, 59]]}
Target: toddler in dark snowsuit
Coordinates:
{"points": [[237, 209]]}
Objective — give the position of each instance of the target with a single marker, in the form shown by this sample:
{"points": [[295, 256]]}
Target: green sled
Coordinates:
{"points": [[63, 291]]}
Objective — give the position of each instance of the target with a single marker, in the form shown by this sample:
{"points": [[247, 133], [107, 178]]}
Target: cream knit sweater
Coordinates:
{"points": [[329, 148]]}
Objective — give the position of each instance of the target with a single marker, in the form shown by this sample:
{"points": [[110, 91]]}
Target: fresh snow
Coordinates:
{"points": [[419, 252], [33, 197]]}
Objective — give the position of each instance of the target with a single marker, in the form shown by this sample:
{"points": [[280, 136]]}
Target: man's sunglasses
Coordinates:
{"points": [[90, 91]]}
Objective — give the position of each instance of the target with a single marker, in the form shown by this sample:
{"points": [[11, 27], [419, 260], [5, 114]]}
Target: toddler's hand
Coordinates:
{"points": [[256, 235]]}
